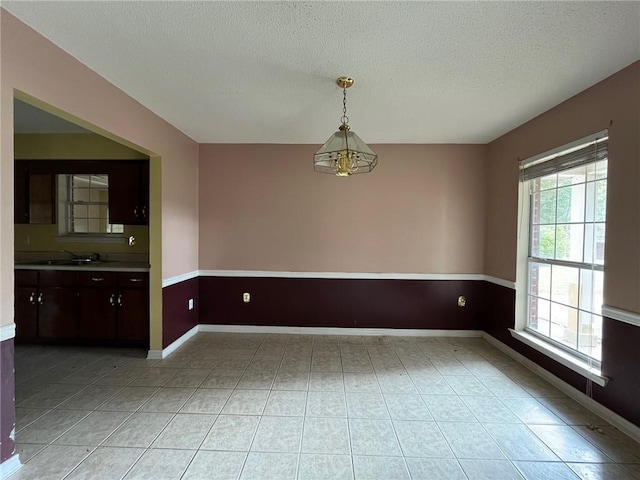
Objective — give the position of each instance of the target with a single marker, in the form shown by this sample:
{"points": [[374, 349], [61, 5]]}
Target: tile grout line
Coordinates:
{"points": [[393, 427], [304, 414], [246, 457]]}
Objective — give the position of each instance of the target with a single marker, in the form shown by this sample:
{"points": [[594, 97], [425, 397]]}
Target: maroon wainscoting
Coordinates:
{"points": [[621, 363], [7, 403], [620, 354], [313, 302], [177, 319]]}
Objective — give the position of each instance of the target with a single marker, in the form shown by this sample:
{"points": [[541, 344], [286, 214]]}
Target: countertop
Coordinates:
{"points": [[109, 262], [110, 266]]}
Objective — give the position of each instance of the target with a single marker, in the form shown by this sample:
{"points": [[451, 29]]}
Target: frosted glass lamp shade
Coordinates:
{"points": [[344, 154]]}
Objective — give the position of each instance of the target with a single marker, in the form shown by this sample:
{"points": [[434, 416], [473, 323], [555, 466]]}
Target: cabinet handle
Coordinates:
{"points": [[119, 300], [135, 279], [135, 212], [97, 279], [32, 297], [111, 299], [40, 299], [144, 212]]}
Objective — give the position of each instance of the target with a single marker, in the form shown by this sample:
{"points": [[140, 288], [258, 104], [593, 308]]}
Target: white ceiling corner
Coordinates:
{"points": [[264, 72]]}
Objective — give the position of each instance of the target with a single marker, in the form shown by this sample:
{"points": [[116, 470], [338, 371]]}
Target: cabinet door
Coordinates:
{"points": [[26, 312], [143, 197], [57, 313], [21, 192], [125, 183], [97, 314], [133, 315], [42, 194]]}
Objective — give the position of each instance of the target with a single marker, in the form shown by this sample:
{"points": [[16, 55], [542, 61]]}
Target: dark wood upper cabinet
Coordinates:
{"points": [[129, 193], [42, 198], [35, 195], [35, 188], [21, 192]]}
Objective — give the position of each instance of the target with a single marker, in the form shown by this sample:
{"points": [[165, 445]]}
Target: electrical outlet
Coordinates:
{"points": [[462, 301], [246, 297], [191, 304]]}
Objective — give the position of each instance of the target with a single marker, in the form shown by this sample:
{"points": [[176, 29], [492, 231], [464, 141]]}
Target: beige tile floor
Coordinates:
{"points": [[248, 406]]}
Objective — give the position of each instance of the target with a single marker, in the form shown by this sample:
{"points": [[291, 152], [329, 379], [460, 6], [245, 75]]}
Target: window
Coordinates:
{"points": [[566, 241], [85, 204]]}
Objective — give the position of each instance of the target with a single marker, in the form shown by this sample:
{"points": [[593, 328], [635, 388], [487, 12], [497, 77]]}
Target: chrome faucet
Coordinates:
{"points": [[86, 257]]}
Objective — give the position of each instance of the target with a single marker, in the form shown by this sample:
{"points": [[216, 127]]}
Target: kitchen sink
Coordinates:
{"points": [[70, 262]]}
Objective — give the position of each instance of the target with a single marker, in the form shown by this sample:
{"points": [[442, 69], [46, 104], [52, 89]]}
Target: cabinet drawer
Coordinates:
{"points": [[97, 279], [26, 278], [133, 280], [58, 278]]}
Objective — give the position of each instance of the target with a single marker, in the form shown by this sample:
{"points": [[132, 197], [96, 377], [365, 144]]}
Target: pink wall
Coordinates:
{"points": [[616, 99], [35, 66], [420, 211]]}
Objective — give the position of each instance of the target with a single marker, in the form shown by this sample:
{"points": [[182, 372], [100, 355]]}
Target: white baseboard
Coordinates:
{"points": [[165, 352], [610, 416], [10, 466], [7, 331], [397, 332]]}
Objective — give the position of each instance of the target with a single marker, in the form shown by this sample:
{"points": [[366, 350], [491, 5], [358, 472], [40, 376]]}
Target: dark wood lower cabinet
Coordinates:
{"points": [[133, 315], [93, 307], [58, 313], [97, 314], [26, 312]]}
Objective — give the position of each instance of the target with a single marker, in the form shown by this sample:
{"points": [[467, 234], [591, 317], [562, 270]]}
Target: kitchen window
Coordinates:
{"points": [[84, 205], [566, 219]]}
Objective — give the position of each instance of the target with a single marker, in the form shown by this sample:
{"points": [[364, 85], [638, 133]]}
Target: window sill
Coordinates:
{"points": [[88, 238], [560, 356]]}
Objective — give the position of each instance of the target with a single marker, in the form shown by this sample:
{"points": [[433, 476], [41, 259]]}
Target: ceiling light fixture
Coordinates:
{"points": [[344, 153]]}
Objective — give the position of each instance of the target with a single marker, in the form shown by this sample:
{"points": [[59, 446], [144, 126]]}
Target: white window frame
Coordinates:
{"points": [[567, 356], [65, 235]]}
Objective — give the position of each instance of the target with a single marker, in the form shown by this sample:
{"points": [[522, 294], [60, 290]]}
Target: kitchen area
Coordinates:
{"points": [[81, 235]]}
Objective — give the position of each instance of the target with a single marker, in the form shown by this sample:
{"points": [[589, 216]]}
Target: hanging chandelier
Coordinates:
{"points": [[345, 153]]}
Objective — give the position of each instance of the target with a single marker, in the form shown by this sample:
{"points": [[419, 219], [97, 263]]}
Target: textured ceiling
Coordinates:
{"points": [[264, 72]]}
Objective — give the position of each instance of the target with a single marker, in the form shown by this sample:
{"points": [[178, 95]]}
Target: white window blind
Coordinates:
{"points": [[567, 219]]}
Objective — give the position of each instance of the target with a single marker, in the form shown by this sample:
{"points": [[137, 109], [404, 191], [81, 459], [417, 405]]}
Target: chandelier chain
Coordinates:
{"points": [[344, 118]]}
